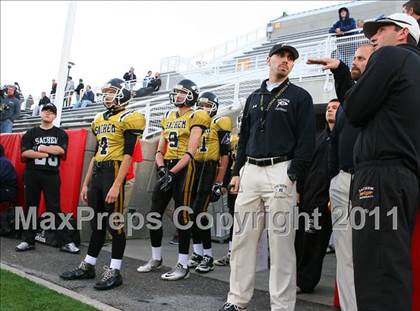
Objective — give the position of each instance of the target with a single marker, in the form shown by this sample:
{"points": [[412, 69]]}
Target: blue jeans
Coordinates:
{"points": [[82, 103], [6, 126]]}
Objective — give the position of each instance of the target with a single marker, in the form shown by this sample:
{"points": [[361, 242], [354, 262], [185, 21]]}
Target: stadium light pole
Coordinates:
{"points": [[64, 61]]}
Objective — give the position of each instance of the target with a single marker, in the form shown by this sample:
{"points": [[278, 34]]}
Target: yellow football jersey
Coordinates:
{"points": [[110, 133], [176, 130], [209, 149]]}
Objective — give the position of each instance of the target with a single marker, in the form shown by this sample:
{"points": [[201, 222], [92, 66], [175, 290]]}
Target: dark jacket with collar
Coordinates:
{"points": [[289, 128], [385, 103]]}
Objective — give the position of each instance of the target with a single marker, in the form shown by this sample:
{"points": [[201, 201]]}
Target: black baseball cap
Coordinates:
{"points": [[50, 107], [284, 47]]}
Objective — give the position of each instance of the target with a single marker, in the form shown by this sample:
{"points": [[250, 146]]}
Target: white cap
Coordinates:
{"points": [[399, 19]]}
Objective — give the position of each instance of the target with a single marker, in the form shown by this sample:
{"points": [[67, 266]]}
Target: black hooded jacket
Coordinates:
{"points": [[346, 24]]}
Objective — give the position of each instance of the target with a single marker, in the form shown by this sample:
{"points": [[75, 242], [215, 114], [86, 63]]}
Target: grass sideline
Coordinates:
{"points": [[20, 294]]}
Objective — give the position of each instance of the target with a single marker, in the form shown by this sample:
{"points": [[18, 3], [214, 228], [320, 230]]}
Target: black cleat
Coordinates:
{"points": [[110, 278], [194, 260], [83, 271], [231, 307], [206, 265]]}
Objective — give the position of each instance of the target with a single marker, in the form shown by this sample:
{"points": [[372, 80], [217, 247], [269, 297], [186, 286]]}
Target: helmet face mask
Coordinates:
{"points": [[185, 93], [114, 94], [208, 102]]}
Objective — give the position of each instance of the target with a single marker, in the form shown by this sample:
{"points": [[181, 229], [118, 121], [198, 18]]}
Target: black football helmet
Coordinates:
{"points": [[119, 98], [209, 102], [185, 93]]}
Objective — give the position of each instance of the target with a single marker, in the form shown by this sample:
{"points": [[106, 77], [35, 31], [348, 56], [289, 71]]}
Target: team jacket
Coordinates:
{"points": [[110, 133], [314, 192], [215, 141], [344, 135], [385, 102], [289, 128], [176, 130]]}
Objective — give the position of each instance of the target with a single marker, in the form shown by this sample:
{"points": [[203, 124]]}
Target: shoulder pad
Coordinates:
{"points": [[224, 123]]}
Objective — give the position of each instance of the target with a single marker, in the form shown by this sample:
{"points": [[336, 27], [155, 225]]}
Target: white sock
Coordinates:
{"points": [[90, 260], [208, 252], [183, 260], [230, 246], [156, 253], [115, 264], [198, 249]]}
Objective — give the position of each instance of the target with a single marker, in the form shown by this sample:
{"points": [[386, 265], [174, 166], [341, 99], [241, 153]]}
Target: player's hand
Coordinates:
{"points": [[216, 192], [166, 181], [162, 171], [338, 30], [234, 184], [327, 63], [42, 148], [83, 194], [112, 195]]}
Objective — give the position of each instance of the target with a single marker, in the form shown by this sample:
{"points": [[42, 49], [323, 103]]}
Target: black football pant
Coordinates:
{"points": [[180, 191], [103, 176], [205, 175], [385, 198], [37, 181], [310, 250]]}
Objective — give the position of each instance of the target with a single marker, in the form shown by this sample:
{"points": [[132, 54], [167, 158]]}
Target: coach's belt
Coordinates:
{"points": [[104, 164], [267, 161]]}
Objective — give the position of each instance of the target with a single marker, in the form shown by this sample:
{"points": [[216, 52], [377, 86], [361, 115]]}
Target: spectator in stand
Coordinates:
{"points": [[42, 102], [9, 110], [8, 191], [152, 86], [344, 24], [53, 87], [29, 102], [68, 92], [88, 97], [130, 77], [343, 27], [156, 82], [78, 89], [18, 93], [412, 8], [147, 79], [269, 30]]}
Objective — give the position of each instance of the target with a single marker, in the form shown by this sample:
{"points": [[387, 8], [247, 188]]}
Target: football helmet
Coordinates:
{"points": [[185, 93], [115, 93], [209, 102]]}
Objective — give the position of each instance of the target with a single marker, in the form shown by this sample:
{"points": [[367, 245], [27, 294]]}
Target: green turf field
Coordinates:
{"points": [[20, 294]]}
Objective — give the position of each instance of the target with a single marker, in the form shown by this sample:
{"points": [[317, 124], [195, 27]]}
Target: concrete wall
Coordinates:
{"points": [[326, 17]]}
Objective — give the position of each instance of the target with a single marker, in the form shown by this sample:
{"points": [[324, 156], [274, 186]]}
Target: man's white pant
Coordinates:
{"points": [[339, 196], [264, 190]]}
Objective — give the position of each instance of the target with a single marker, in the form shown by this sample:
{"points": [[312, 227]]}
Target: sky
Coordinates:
{"points": [[109, 36]]}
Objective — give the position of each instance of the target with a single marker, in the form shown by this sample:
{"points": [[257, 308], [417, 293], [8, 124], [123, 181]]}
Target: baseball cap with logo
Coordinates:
{"points": [[399, 19], [50, 107], [284, 47]]}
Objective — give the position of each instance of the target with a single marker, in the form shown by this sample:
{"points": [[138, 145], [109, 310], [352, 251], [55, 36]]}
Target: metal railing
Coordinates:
{"points": [[326, 45], [210, 55]]}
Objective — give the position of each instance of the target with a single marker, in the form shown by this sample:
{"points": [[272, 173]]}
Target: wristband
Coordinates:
{"points": [[190, 155]]}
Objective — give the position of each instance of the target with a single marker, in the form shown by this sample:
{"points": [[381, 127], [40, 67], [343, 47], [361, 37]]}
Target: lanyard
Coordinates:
{"points": [[264, 111]]}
